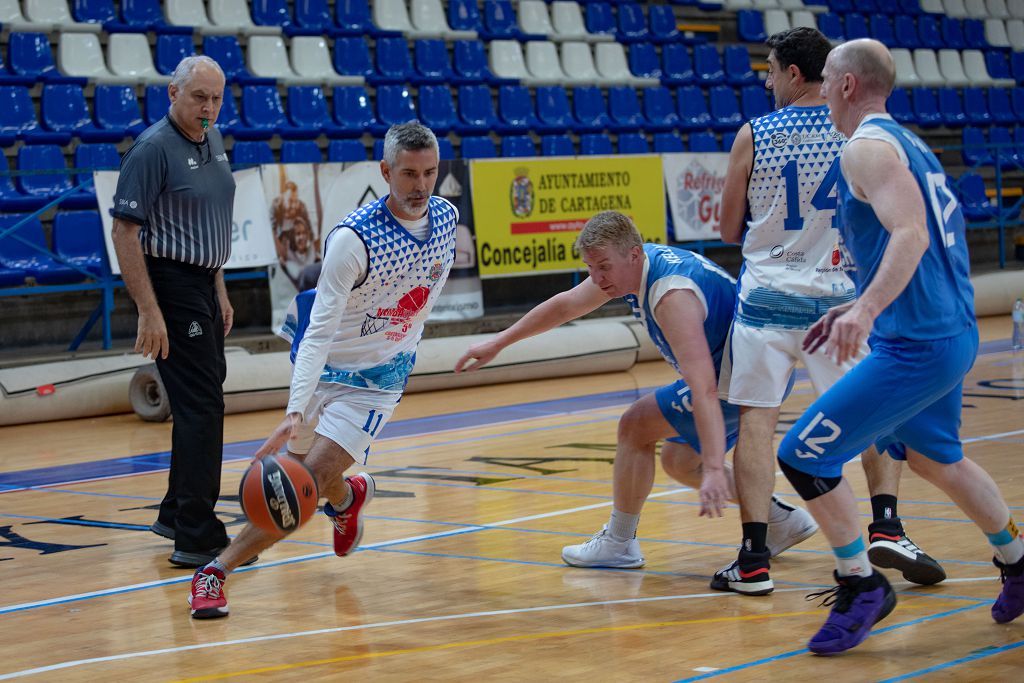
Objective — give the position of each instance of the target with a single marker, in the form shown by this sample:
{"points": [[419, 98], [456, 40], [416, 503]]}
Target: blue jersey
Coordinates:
{"points": [[938, 302], [669, 268]]}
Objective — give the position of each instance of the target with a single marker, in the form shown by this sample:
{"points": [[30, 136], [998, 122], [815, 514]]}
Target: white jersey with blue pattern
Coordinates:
{"points": [[794, 267], [670, 268], [375, 344]]}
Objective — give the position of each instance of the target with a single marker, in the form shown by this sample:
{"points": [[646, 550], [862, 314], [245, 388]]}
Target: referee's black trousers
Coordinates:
{"points": [[193, 375]]}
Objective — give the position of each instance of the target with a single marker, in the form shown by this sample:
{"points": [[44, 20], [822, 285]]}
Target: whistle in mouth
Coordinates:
{"points": [[206, 124]]}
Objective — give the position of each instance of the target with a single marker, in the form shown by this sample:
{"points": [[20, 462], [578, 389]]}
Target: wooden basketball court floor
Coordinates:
{"points": [[459, 575]]}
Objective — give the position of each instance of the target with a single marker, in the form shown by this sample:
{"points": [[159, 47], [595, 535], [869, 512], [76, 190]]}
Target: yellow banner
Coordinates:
{"points": [[528, 212]]}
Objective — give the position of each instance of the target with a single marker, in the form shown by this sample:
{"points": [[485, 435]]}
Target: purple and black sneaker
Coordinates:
{"points": [[1010, 603], [858, 603]]}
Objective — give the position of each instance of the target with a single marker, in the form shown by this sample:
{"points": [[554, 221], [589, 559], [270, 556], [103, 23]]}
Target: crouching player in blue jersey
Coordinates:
{"points": [[905, 231], [686, 303]]}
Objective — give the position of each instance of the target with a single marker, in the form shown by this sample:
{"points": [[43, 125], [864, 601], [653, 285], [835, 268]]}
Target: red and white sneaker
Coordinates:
{"points": [[208, 599], [348, 523]]}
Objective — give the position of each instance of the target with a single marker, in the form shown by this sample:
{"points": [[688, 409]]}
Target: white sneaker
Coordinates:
{"points": [[788, 526], [604, 551]]}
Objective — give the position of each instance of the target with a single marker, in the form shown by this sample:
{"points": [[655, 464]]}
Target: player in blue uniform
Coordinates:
{"points": [[905, 231], [686, 304]]}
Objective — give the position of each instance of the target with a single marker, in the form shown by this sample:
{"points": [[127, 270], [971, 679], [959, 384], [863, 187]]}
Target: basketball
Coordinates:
{"points": [[278, 494]]}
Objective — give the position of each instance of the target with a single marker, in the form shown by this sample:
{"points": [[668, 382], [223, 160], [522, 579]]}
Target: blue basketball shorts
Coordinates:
{"points": [[676, 406], [904, 394]]}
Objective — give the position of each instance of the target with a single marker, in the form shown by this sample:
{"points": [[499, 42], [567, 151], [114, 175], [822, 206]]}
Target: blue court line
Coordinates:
{"points": [[955, 662], [794, 653]]}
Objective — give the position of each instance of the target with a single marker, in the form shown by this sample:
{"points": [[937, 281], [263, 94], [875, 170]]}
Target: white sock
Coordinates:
{"points": [[857, 565], [622, 525], [345, 502], [779, 510], [1010, 553]]}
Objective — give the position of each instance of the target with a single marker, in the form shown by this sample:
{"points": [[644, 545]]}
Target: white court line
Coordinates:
{"points": [[991, 437]]}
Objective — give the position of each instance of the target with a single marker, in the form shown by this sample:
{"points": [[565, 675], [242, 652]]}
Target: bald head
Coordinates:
{"points": [[869, 61]]}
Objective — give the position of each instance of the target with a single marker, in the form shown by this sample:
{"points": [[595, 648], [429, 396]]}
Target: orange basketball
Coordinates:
{"points": [[278, 494]]}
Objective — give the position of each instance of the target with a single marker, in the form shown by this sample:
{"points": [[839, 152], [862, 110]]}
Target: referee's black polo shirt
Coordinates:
{"points": [[181, 192]]}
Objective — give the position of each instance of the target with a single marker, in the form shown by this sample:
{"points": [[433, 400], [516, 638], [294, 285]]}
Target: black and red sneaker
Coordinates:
{"points": [[747, 574], [348, 523], [207, 598], [890, 547]]}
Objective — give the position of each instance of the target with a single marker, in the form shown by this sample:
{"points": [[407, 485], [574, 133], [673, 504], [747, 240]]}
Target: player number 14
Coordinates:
{"points": [[824, 199]]}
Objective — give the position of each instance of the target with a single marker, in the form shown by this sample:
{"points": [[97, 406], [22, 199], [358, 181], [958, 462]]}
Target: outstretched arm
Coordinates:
{"points": [[559, 309]]}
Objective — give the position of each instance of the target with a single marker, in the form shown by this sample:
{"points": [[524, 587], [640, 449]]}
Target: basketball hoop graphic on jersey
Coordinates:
{"points": [[409, 305]]}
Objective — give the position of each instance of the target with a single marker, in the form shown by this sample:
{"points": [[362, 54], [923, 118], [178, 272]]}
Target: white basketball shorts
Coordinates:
{"points": [[759, 362], [349, 416]]}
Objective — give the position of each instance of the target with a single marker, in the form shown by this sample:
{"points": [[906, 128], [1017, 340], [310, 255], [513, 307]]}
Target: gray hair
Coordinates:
{"points": [[609, 229], [408, 136], [187, 66]]}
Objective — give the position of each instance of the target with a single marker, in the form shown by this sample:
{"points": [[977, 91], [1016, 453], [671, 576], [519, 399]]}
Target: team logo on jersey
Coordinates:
{"points": [[521, 195], [435, 271], [836, 258], [192, 163], [779, 139], [398, 317], [795, 139], [777, 251]]}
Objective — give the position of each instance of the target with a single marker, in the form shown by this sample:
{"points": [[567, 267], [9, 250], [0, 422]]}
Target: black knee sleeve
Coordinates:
{"points": [[808, 486]]}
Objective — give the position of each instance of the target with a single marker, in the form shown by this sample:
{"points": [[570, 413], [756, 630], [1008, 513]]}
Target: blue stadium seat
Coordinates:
{"points": [[353, 18], [590, 109], [855, 26], [693, 108], [352, 58], [659, 110], [252, 152], [976, 107], [677, 67], [146, 15], [171, 48], [464, 15], [750, 26], [633, 143], [29, 54], [668, 143], [704, 142], [228, 120], [515, 110], [1004, 150], [728, 138], [911, 7], [926, 108], [841, 6], [905, 32], [478, 147], [1017, 66], [974, 34], [898, 105], [737, 66], [707, 65], [725, 108], [476, 110], [951, 109], [868, 7], [470, 64], [1018, 139], [624, 109], [554, 115], [643, 60], [662, 19], [999, 106], [18, 119], [11, 277], [437, 108], [228, 54], [271, 13], [951, 33], [596, 144], [632, 23], [94, 11], [262, 114], [117, 109], [753, 102], [599, 17], [557, 146], [18, 256], [998, 64], [346, 150], [78, 239], [63, 110], [307, 111], [12, 198], [314, 16], [95, 156], [378, 150], [157, 103], [395, 105], [882, 30], [432, 66], [974, 148], [1017, 102], [499, 21], [518, 146], [353, 112], [393, 62], [831, 26], [974, 201], [445, 149], [300, 152]]}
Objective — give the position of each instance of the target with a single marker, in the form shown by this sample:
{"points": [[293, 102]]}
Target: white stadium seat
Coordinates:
{"points": [[543, 63], [578, 64], [997, 9], [567, 20], [610, 59], [976, 9], [128, 56], [803, 18], [776, 20], [955, 8], [977, 72], [533, 17], [267, 57], [233, 16], [906, 74], [80, 55], [951, 68], [312, 60], [995, 33], [1015, 34], [57, 15], [429, 21], [1016, 8], [392, 15], [506, 59]]}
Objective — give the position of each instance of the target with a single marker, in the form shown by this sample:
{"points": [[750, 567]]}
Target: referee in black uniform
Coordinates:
{"points": [[172, 235]]}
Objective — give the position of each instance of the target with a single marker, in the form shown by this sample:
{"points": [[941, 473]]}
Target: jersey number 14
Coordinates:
{"points": [[825, 197]]}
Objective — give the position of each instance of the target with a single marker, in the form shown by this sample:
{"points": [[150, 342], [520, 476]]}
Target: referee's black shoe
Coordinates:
{"points": [[192, 560]]}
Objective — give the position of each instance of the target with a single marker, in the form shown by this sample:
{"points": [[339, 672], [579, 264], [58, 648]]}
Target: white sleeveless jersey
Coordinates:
{"points": [[794, 266], [375, 345]]}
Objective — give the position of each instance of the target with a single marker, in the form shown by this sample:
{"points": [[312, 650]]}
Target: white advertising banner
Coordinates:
{"points": [[252, 243], [694, 185]]}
